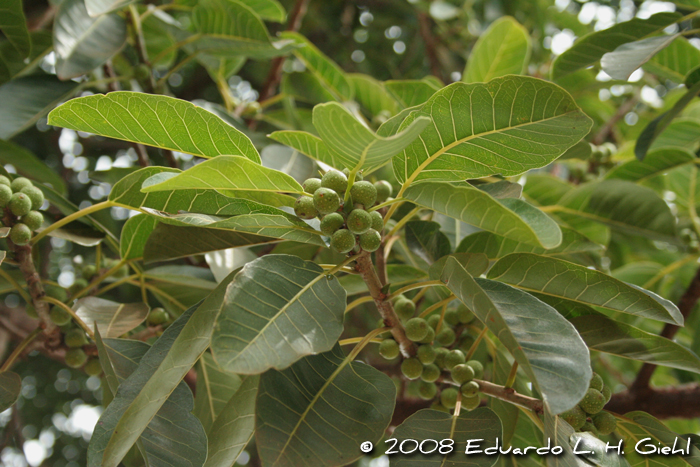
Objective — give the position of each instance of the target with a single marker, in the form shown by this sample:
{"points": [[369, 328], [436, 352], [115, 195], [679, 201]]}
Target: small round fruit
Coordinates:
{"points": [[446, 336], [33, 220], [31, 311], [20, 204], [429, 338], [592, 402], [575, 417], [78, 285], [477, 367], [310, 185], [605, 422], [439, 407], [336, 181], [607, 393], [589, 426], [433, 320], [452, 317], [343, 241], [412, 368], [405, 308], [35, 194], [331, 223], [454, 358], [304, 207], [19, 183], [427, 391], [377, 221], [75, 358], [326, 200], [470, 389], [359, 221], [20, 234], [430, 373], [364, 193], [89, 270], [93, 367], [596, 382], [157, 316], [370, 240], [426, 354], [440, 354], [75, 338], [416, 329], [56, 291], [59, 316], [5, 181], [448, 397], [471, 403], [465, 315], [462, 373], [389, 349], [5, 195], [384, 190], [142, 72], [466, 343]]}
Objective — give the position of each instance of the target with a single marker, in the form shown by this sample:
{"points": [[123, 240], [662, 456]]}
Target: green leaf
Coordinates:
{"points": [[605, 335], [558, 278], [170, 242], [277, 225], [100, 7], [425, 239], [545, 345], [160, 121], [545, 190], [28, 165], [234, 427], [111, 318], [681, 133], [14, 65], [10, 387], [655, 163], [559, 432], [373, 95], [397, 273], [594, 450], [622, 206], [304, 87], [215, 388], [410, 93], [269, 10], [482, 424], [317, 412], [587, 50], [622, 62], [503, 49], [507, 412], [512, 218], [83, 43], [278, 309], [160, 371], [475, 263], [26, 100], [495, 246], [185, 284], [13, 25], [506, 126], [224, 173], [581, 150], [323, 68], [174, 433], [633, 427], [675, 61], [134, 235]]}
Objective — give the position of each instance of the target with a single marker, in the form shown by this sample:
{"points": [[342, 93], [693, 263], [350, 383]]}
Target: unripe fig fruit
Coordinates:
{"points": [[575, 417], [359, 221], [75, 338], [158, 316], [377, 221], [448, 397], [331, 223], [389, 349], [454, 358], [605, 422], [336, 181], [596, 382], [433, 320], [607, 393], [89, 270], [471, 403], [35, 194], [426, 354], [477, 367], [411, 368], [75, 358], [384, 190], [452, 317], [440, 354], [56, 291], [19, 183], [20, 204], [33, 220], [305, 208], [430, 373], [592, 402], [429, 338], [93, 367], [590, 427], [343, 241], [405, 308], [466, 343], [446, 336], [326, 200], [465, 316], [310, 185], [427, 391], [20, 234], [5, 181], [364, 193], [59, 316], [370, 240], [416, 329], [462, 373], [470, 389], [5, 195]]}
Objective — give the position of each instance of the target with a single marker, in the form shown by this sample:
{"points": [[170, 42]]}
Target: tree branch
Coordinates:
{"points": [[605, 130], [509, 395], [426, 33], [667, 402], [365, 267]]}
